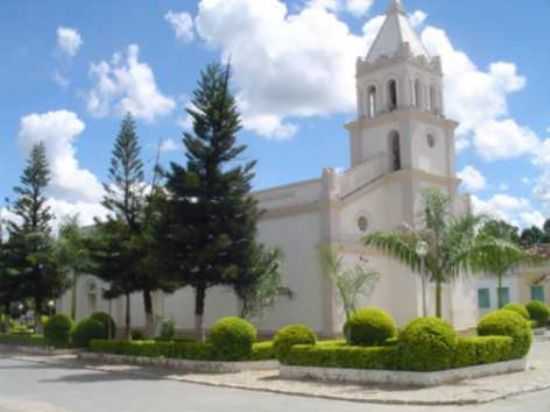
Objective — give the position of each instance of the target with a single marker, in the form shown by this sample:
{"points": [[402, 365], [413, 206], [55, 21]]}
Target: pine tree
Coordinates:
{"points": [[121, 248], [208, 237], [29, 251]]}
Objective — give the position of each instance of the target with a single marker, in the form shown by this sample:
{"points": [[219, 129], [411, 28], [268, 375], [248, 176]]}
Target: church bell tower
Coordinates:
{"points": [[400, 105]]}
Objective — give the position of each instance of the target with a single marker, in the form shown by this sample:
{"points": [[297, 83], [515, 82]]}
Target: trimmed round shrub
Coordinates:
{"points": [[232, 338], [108, 323], [508, 323], [519, 309], [137, 334], [427, 344], [57, 331], [291, 335], [85, 331], [370, 327], [168, 330], [538, 311]]}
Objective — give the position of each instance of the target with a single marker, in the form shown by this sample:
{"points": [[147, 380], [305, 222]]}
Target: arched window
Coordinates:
{"points": [[92, 296], [371, 102], [417, 94], [392, 95], [433, 99], [395, 151]]}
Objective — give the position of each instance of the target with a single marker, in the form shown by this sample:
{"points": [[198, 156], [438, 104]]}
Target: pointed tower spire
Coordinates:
{"points": [[396, 33], [396, 6]]}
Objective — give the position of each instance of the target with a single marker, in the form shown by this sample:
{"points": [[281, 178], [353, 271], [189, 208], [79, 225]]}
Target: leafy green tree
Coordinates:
{"points": [[29, 250], [72, 254], [351, 283], [122, 249], [532, 236], [208, 235], [260, 289], [503, 261], [454, 244]]}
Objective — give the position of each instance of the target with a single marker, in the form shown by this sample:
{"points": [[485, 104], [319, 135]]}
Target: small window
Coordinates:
{"points": [[363, 224], [431, 140], [484, 298], [392, 95], [537, 293], [504, 294]]}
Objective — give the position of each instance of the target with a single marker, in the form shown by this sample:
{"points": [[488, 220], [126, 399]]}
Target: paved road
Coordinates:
{"points": [[34, 387]]}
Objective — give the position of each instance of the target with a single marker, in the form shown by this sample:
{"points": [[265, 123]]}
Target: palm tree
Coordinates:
{"points": [[351, 282], [454, 244]]}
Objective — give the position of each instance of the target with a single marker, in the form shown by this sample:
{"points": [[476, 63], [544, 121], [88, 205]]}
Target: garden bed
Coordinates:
{"points": [[188, 356], [401, 378], [186, 365]]}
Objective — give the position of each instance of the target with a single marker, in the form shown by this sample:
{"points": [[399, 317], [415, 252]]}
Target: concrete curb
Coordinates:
{"points": [[181, 364], [402, 378]]}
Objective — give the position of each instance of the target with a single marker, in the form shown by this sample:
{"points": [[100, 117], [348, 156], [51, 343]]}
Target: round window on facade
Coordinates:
{"points": [[363, 224], [431, 140]]}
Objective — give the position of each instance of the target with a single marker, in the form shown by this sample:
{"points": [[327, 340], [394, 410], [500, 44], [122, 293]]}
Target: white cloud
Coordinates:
{"points": [[60, 79], [417, 19], [58, 131], [86, 211], [127, 85], [69, 40], [170, 145], [182, 24], [478, 100], [515, 210], [359, 7], [472, 179], [504, 139], [282, 68]]}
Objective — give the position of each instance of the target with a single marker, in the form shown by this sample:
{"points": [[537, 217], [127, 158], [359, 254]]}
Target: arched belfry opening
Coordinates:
{"points": [[371, 102], [417, 94], [395, 151], [433, 100], [392, 95]]}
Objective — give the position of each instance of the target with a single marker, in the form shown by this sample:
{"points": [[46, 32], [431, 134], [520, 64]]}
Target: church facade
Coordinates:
{"points": [[400, 144]]}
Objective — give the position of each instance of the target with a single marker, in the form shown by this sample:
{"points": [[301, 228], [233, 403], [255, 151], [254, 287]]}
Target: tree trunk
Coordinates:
{"points": [[438, 299], [499, 297], [128, 330], [74, 296], [200, 297], [38, 303], [149, 316]]}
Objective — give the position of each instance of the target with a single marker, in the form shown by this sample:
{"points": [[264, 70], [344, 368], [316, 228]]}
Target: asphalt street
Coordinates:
{"points": [[27, 386]]}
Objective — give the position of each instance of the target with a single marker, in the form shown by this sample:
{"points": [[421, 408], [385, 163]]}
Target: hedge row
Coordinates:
{"points": [[470, 351], [22, 339], [179, 350]]}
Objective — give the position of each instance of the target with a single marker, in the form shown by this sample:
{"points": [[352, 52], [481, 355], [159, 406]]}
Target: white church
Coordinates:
{"points": [[400, 144]]}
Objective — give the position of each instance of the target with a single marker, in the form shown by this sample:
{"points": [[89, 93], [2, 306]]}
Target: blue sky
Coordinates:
{"points": [[70, 69]]}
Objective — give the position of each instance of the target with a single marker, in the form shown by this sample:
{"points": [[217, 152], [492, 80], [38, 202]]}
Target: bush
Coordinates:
{"points": [[22, 340], [508, 323], [519, 309], [263, 351], [232, 338], [108, 323], [427, 344], [539, 312], [151, 349], [477, 350], [58, 330], [168, 330], [292, 335], [137, 334], [341, 355], [85, 331], [370, 327]]}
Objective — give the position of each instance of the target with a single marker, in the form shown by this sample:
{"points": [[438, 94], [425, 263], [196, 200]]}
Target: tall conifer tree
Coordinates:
{"points": [[211, 217], [29, 251], [122, 248]]}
